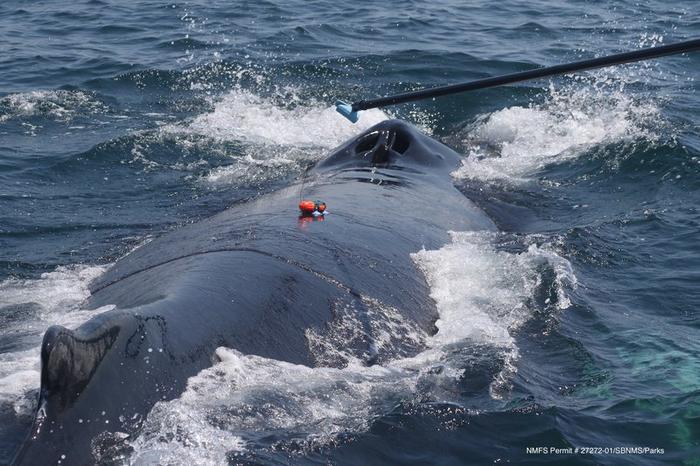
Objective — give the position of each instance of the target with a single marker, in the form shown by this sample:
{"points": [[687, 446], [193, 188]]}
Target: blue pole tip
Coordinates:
{"points": [[345, 109]]}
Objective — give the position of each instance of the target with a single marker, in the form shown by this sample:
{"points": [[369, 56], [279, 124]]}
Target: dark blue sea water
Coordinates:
{"points": [[122, 120]]}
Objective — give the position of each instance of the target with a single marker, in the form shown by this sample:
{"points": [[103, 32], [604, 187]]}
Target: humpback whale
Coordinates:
{"points": [[256, 278]]}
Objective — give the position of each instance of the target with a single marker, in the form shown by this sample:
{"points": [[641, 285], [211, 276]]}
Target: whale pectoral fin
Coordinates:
{"points": [[68, 361]]}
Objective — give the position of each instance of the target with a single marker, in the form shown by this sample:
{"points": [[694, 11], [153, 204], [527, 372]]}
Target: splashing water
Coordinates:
{"points": [[28, 308], [59, 105], [513, 144], [483, 294], [242, 115], [248, 402], [276, 139]]}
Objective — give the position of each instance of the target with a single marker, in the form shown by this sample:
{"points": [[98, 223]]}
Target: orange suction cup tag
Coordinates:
{"points": [[307, 207]]}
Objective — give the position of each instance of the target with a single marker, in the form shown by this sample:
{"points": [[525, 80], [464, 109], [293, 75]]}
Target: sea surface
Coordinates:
{"points": [[577, 325]]}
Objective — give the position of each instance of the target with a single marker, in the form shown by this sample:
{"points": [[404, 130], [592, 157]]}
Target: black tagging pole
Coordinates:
{"points": [[350, 110]]}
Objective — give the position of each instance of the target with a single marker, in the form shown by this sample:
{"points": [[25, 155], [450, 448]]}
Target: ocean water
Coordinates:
{"points": [[576, 325]]}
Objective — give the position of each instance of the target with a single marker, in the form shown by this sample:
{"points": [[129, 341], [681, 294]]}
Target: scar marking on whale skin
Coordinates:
{"points": [[322, 276]]}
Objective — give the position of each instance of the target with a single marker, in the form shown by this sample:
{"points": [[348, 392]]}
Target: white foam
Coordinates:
{"points": [[243, 116], [54, 298], [276, 139], [264, 138], [386, 331], [19, 377], [245, 394], [58, 104], [514, 143], [483, 296], [259, 166]]}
